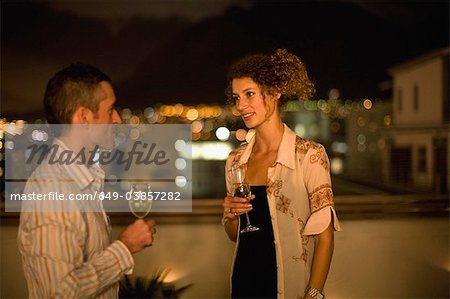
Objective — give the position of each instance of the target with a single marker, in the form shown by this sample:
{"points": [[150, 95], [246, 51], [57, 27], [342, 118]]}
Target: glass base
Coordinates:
{"points": [[249, 228]]}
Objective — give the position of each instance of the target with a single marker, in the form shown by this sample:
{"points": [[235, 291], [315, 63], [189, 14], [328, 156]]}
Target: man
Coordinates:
{"points": [[65, 246]]}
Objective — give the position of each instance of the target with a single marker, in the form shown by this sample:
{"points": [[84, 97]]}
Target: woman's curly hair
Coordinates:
{"points": [[282, 71]]}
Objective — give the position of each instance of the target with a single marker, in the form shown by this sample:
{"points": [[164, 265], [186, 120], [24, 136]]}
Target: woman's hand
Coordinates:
{"points": [[233, 207]]}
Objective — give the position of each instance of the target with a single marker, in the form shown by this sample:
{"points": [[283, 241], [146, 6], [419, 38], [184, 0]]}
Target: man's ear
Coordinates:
{"points": [[82, 115]]}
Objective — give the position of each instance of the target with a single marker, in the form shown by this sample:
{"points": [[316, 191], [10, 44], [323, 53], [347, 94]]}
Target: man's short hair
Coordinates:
{"points": [[71, 88]]}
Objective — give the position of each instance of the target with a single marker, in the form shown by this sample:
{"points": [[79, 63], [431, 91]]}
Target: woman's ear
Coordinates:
{"points": [[82, 115], [276, 95]]}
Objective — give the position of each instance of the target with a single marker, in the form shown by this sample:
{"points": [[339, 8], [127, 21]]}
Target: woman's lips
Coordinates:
{"points": [[246, 116]]}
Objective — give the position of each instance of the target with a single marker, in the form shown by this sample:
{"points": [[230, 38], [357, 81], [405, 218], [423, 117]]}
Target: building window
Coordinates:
{"points": [[416, 97], [399, 100], [422, 160]]}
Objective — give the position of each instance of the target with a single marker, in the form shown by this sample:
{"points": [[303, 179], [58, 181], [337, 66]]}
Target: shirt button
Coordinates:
{"points": [[280, 291]]}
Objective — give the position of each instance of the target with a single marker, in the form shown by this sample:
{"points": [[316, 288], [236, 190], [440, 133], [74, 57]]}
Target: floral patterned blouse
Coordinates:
{"points": [[300, 202]]}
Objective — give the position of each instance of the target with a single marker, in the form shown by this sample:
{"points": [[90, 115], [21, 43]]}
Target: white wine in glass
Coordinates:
{"points": [[140, 201], [242, 189]]}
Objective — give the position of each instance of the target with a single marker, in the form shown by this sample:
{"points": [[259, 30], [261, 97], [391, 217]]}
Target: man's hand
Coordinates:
{"points": [[138, 235]]}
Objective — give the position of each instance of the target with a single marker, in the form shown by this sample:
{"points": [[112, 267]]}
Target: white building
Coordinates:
{"points": [[418, 142]]}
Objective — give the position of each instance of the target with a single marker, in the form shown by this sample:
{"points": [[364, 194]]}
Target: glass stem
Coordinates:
{"points": [[248, 219]]}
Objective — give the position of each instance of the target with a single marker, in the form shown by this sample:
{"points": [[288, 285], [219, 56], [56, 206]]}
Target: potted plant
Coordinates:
{"points": [[150, 287]]}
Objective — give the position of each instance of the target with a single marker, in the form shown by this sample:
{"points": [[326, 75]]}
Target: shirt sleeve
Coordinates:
{"points": [[52, 247], [318, 184]]}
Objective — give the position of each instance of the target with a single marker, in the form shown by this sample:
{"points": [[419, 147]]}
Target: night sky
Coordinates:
{"points": [[178, 51]]}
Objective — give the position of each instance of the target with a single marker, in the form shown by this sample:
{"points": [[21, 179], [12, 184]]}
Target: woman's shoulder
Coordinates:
{"points": [[235, 155], [303, 145], [239, 149]]}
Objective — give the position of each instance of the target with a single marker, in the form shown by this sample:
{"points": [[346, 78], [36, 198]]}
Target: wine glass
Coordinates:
{"points": [[140, 200], [242, 189]]}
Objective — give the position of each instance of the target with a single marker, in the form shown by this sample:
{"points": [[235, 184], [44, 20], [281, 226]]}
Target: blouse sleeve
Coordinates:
{"points": [[318, 184]]}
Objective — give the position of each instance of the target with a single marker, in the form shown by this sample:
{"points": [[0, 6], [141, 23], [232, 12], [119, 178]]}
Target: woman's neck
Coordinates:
{"points": [[268, 136]]}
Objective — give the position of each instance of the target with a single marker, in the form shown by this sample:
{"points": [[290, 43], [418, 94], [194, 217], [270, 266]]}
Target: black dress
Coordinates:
{"points": [[255, 268]]}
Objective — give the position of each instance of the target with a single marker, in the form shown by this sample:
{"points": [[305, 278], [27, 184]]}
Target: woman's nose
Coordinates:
{"points": [[241, 104]]}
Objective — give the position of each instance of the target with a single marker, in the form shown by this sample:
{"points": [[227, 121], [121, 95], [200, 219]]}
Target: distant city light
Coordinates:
{"points": [[180, 164], [149, 112], [334, 94], [9, 145], [367, 104], [134, 120], [250, 135], [222, 133], [336, 165], [361, 138], [126, 114], [180, 181], [300, 130], [361, 121], [134, 134], [387, 120], [339, 147], [197, 126], [38, 135], [192, 114], [209, 150], [240, 134], [180, 145]]}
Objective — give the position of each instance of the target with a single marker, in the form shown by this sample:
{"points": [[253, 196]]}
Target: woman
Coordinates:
{"points": [[292, 201]]}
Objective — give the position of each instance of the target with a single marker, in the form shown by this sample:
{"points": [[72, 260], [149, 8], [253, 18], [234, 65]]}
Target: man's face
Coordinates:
{"points": [[102, 132]]}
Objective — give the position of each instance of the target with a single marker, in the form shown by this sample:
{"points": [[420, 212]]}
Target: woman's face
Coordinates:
{"points": [[254, 106]]}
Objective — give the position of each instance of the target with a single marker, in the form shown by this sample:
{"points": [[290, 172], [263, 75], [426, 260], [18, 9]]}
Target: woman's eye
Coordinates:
{"points": [[250, 93], [235, 99]]}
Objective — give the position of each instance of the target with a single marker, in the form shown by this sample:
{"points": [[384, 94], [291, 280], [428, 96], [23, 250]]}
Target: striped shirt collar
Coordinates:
{"points": [[80, 173]]}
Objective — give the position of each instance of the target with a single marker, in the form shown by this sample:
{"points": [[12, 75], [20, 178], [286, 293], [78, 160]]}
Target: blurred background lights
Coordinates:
{"points": [[222, 133], [126, 114], [35, 135], [337, 165], [9, 145], [361, 121], [300, 130], [250, 135], [112, 179], [208, 150], [180, 164], [180, 145], [387, 120], [361, 138], [149, 112], [134, 120], [134, 133], [215, 150], [180, 181], [197, 126], [334, 94], [240, 134], [192, 114], [339, 147], [367, 104]]}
